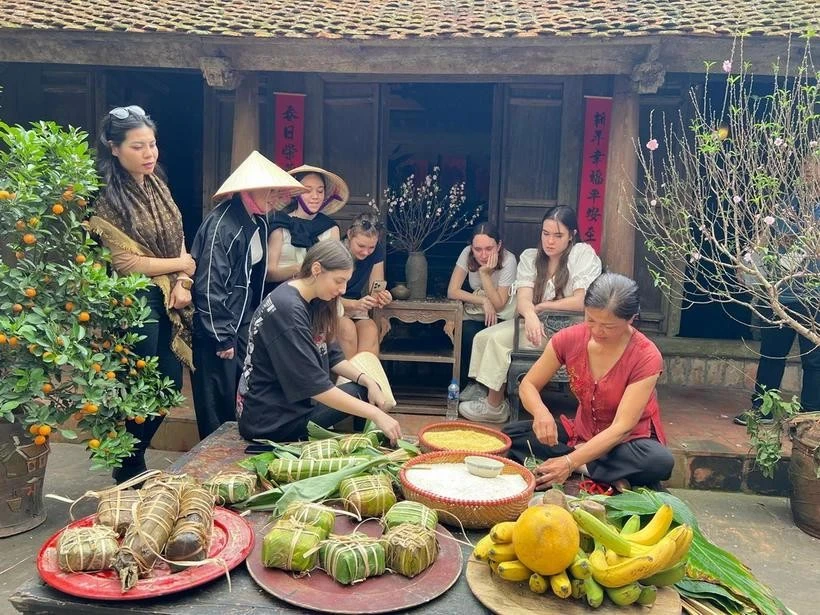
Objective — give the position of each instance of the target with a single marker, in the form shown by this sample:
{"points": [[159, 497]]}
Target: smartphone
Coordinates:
{"points": [[378, 286], [256, 448]]}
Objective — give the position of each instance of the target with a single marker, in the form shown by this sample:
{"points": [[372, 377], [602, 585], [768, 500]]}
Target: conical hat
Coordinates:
{"points": [[369, 364], [258, 172], [337, 188]]}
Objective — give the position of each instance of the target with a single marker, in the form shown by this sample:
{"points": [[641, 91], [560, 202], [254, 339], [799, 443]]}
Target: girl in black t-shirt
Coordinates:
{"points": [[286, 380], [357, 332]]}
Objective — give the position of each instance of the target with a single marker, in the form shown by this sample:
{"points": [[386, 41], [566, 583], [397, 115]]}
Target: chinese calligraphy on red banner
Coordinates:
{"points": [[289, 130], [594, 161]]}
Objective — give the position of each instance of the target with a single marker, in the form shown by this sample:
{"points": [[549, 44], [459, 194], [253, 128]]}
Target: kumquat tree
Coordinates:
{"points": [[67, 322]]}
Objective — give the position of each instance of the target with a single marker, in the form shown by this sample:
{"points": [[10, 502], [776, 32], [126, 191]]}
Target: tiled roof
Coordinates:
{"points": [[413, 19]]}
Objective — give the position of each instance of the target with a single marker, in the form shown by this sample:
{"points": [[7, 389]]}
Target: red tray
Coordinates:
{"points": [[389, 592], [231, 541]]}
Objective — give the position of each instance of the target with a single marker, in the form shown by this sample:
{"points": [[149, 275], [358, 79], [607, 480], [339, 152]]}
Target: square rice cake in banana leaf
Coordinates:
{"points": [[291, 545], [353, 558]]}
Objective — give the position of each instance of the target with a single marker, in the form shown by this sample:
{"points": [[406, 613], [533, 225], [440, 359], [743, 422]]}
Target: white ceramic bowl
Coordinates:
{"points": [[483, 466]]}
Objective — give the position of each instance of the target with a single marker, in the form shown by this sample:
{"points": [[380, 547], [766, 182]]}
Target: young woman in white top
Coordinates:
{"points": [[553, 276], [489, 270], [308, 222]]}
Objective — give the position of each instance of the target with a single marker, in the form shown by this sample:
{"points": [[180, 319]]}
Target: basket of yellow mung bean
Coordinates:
{"points": [[463, 436]]}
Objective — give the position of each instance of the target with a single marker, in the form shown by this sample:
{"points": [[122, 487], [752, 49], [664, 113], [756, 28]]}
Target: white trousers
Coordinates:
{"points": [[490, 358]]}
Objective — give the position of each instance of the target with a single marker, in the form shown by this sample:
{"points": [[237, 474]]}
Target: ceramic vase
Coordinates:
{"points": [[416, 272]]}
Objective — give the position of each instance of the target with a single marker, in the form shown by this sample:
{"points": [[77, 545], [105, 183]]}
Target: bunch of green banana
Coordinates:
{"points": [[630, 564], [626, 566]]}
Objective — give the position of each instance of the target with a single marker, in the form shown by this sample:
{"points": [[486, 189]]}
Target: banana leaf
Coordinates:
{"points": [[317, 432], [716, 595], [707, 562], [315, 489], [259, 463]]}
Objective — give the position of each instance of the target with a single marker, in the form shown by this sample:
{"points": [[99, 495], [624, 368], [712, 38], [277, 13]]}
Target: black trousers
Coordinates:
{"points": [[469, 329], [643, 462], [321, 415], [214, 382], [775, 345], [157, 343]]}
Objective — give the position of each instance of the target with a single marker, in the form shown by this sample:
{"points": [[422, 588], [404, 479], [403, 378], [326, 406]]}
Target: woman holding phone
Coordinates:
{"points": [[366, 289]]}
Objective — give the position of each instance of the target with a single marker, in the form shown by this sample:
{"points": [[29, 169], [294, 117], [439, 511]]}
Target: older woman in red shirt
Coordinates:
{"points": [[616, 437]]}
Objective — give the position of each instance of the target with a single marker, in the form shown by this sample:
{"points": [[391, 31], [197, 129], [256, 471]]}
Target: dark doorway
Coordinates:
{"points": [[446, 125], [174, 102]]}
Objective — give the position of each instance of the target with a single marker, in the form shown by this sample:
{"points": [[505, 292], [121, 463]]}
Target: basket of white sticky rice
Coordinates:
{"points": [[442, 481]]}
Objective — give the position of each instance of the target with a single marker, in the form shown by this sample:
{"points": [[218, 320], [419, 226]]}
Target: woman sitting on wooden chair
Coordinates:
{"points": [[553, 276], [616, 437]]}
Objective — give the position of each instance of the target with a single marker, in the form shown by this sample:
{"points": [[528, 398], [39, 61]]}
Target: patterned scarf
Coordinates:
{"points": [[154, 230]]}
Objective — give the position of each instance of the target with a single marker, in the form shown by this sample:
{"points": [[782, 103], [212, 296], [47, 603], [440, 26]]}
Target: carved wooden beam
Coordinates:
{"points": [[219, 73], [648, 76]]}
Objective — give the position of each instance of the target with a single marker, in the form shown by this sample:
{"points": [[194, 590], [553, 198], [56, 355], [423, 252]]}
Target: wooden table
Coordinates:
{"points": [[426, 312], [217, 452]]}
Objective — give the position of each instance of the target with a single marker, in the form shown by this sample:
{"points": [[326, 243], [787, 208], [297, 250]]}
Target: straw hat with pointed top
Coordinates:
{"points": [[369, 364], [337, 194], [258, 172]]}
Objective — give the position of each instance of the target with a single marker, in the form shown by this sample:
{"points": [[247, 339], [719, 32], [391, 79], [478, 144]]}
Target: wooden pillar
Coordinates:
{"points": [[618, 252], [245, 119]]}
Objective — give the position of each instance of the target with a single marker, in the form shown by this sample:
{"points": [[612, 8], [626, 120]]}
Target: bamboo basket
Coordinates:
{"points": [[427, 447], [470, 513]]}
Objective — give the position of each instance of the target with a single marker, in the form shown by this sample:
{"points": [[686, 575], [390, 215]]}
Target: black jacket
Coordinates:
{"points": [[227, 288]]}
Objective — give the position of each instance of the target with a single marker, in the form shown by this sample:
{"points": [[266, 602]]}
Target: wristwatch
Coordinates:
{"points": [[187, 283]]}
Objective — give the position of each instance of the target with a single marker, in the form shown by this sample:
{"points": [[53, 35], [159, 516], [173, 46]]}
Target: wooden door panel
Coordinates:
{"points": [[351, 116], [530, 160]]}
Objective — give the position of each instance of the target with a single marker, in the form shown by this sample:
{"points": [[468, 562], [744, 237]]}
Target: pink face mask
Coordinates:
{"points": [[250, 204]]}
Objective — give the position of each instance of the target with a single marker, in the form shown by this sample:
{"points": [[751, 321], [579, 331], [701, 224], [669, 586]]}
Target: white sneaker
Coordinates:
{"points": [[473, 391], [480, 410]]}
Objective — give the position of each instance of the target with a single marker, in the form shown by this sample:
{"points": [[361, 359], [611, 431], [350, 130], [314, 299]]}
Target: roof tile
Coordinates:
{"points": [[416, 19]]}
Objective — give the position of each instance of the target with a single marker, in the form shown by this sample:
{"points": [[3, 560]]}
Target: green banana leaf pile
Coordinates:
{"points": [[276, 498], [713, 576]]}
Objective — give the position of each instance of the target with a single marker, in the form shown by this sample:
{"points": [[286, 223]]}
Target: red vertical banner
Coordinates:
{"points": [[595, 157], [289, 130]]}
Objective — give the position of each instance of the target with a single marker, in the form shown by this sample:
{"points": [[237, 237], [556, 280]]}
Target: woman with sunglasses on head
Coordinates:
{"points": [[293, 358], [553, 276], [616, 437], [137, 219], [357, 331], [229, 248], [489, 270], [304, 222]]}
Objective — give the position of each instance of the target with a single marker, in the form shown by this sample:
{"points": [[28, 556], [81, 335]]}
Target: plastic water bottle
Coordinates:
{"points": [[452, 401]]}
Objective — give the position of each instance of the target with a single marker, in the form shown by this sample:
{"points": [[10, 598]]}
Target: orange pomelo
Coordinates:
{"points": [[546, 539]]}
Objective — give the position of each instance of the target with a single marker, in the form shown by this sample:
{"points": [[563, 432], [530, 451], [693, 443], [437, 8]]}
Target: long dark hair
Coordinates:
{"points": [[332, 255], [485, 228], [564, 214], [113, 132], [614, 293]]}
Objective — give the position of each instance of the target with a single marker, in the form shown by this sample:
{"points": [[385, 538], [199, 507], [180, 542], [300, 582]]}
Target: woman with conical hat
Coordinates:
{"points": [[305, 221], [229, 249]]}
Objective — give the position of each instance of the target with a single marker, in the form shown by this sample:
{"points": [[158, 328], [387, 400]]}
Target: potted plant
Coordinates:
{"points": [[421, 215], [767, 427], [67, 323]]}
